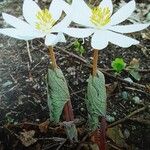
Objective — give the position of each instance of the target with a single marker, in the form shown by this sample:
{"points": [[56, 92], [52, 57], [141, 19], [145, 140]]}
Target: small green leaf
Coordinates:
{"points": [[57, 93], [96, 99], [71, 131], [118, 65], [133, 69], [78, 47], [76, 44], [135, 74]]}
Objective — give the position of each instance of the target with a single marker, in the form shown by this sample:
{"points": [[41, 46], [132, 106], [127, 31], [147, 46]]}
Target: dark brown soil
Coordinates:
{"points": [[23, 99]]}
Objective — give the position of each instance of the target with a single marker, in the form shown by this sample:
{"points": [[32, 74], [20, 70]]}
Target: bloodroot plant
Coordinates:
{"points": [[98, 22], [44, 24], [103, 26]]}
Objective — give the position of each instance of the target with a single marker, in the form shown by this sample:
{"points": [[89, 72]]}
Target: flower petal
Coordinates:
{"points": [[78, 33], [123, 13], [30, 9], [61, 37], [61, 25], [128, 28], [51, 40], [56, 8], [80, 13], [31, 32], [121, 40], [107, 3], [15, 22], [99, 40], [15, 34], [22, 26]]}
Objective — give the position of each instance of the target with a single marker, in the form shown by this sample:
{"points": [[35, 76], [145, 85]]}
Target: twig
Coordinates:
{"points": [[10, 132], [56, 139], [138, 70], [23, 124], [83, 140], [50, 146], [61, 144], [113, 146], [125, 81], [103, 70], [29, 70], [37, 64], [127, 117], [73, 55], [29, 53], [77, 92], [142, 121], [137, 90], [14, 80]]}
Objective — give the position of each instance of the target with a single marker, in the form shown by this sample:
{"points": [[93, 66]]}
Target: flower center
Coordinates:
{"points": [[100, 16], [45, 21]]}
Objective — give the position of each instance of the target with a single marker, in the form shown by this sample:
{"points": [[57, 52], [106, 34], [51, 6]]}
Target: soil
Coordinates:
{"points": [[23, 98]]}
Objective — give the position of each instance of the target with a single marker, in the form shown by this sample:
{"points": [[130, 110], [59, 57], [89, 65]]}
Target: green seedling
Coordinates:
{"points": [[78, 47], [118, 65]]}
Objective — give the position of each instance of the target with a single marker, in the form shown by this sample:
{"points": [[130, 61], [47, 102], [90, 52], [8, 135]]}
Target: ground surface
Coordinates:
{"points": [[23, 103]]}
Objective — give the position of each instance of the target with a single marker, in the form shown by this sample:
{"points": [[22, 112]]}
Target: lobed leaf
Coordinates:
{"points": [[57, 93], [96, 99]]}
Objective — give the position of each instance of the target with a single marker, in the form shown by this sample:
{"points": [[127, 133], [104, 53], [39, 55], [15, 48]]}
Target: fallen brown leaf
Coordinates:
{"points": [[26, 137], [44, 126]]}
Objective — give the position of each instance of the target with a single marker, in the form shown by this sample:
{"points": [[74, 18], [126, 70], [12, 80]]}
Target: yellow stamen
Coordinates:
{"points": [[45, 21], [100, 16]]}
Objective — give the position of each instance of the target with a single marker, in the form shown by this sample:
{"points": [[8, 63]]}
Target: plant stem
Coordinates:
{"points": [[68, 112], [99, 135], [95, 59], [52, 57], [102, 134]]}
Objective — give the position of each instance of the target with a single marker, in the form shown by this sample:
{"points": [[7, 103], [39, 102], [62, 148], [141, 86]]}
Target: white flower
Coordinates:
{"points": [[40, 23], [100, 21]]}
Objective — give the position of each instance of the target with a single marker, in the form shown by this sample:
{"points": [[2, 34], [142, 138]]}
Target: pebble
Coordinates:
{"points": [[128, 79], [110, 118], [126, 133], [137, 100]]}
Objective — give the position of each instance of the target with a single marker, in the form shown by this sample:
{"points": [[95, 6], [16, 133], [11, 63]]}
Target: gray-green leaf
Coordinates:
{"points": [[71, 131], [135, 74], [57, 93], [96, 99]]}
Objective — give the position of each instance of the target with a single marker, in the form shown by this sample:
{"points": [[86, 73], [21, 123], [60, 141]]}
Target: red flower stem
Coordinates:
{"points": [[68, 112], [99, 136], [102, 134], [95, 59]]}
